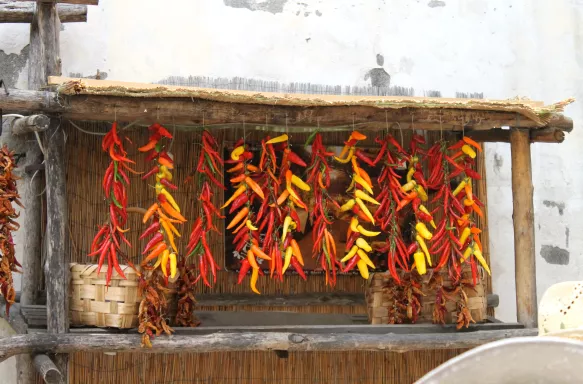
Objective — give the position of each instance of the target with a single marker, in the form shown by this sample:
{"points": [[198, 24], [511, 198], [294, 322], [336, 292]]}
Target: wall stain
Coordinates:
{"points": [[436, 3], [318, 13], [554, 204], [271, 6], [378, 76], [567, 237], [498, 162], [11, 65], [555, 255]]}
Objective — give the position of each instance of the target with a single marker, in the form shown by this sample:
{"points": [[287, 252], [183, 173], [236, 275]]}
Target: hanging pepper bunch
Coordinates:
{"points": [[9, 195], [324, 248], [243, 176], [387, 215], [288, 201], [186, 301], [152, 308], [207, 169], [107, 242], [361, 185], [161, 248]]}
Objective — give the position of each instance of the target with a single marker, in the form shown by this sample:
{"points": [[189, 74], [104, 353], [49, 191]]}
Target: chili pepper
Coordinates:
{"points": [[149, 212], [351, 264], [240, 215], [168, 184], [154, 252], [245, 266], [298, 268], [256, 188], [419, 258], [104, 251], [278, 139], [237, 193], [172, 212], [203, 271], [153, 241], [253, 282]]}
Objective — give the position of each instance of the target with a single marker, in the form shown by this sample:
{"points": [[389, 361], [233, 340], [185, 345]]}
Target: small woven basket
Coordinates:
{"points": [[379, 299], [92, 303]]}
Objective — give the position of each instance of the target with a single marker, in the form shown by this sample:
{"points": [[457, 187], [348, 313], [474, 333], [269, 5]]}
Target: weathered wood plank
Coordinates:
{"points": [[305, 299], [191, 111], [29, 124], [523, 218], [251, 341], [86, 2], [23, 12], [544, 135], [47, 369]]}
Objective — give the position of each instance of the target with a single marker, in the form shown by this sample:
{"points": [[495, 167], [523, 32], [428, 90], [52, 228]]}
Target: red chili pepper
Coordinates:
{"points": [[203, 270], [151, 172], [214, 180], [294, 158], [168, 184], [245, 266], [104, 251], [351, 264], [412, 248], [361, 156], [296, 264], [239, 201]]}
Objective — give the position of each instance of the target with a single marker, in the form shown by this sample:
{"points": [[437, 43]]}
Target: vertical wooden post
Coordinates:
{"points": [[45, 61], [523, 218]]}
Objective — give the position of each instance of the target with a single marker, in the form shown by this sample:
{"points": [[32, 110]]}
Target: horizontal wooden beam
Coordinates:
{"points": [[22, 12], [192, 112], [29, 124], [252, 341], [303, 299], [543, 135]]}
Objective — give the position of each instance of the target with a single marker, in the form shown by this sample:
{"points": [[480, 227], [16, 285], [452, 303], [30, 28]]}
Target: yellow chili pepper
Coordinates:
{"points": [[348, 205], [409, 186], [164, 170], [410, 173], [357, 178], [250, 225], [348, 158], [253, 283], [354, 224], [480, 257], [459, 188], [365, 210], [158, 262], [419, 258], [164, 261], [363, 231], [469, 151], [239, 191], [423, 231], [278, 139], [426, 211], [464, 236], [286, 223], [287, 259], [237, 152], [364, 257], [424, 248], [350, 254], [300, 183], [363, 269], [363, 196], [170, 199], [421, 193], [467, 253], [362, 243], [169, 234], [172, 265]]}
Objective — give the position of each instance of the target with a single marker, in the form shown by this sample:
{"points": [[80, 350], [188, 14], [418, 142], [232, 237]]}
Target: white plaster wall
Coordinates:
{"points": [[502, 48]]}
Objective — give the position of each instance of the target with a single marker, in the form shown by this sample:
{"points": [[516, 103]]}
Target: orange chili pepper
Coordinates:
{"points": [[240, 215], [475, 230], [256, 188], [242, 225], [166, 218], [472, 143], [357, 136], [281, 199], [237, 179], [158, 249], [172, 212], [166, 162], [320, 182], [362, 173], [296, 251], [236, 168], [252, 261], [149, 212], [477, 210], [151, 145], [252, 168], [122, 230], [332, 243], [477, 240], [275, 179], [257, 251]]}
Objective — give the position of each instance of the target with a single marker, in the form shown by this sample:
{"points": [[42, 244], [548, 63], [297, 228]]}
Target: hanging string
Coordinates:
{"points": [[441, 127]]}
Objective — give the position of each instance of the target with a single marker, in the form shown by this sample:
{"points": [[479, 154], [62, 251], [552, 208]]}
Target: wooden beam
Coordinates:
{"points": [[23, 12], [47, 369], [543, 135], [304, 299], [252, 341], [29, 124], [191, 112], [523, 218]]}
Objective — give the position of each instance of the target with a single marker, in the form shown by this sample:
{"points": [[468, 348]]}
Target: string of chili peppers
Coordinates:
{"points": [[165, 212], [161, 248], [208, 168], [246, 233], [361, 185], [324, 248], [8, 263], [107, 242], [387, 214], [291, 198]]}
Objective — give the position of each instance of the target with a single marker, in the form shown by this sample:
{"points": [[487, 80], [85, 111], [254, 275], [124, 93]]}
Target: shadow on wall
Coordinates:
{"points": [[11, 65]]}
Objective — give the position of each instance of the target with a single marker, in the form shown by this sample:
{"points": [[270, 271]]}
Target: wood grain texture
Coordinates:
{"points": [[253, 341], [29, 124], [47, 369], [523, 218], [23, 12]]}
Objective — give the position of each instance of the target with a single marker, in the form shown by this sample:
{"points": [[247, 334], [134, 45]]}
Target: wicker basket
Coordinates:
{"points": [[379, 300], [92, 303]]}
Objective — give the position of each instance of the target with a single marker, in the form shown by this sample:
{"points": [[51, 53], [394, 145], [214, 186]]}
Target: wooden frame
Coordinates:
{"points": [[484, 120]]}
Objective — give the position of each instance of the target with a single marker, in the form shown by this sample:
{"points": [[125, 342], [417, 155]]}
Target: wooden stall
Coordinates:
{"points": [[331, 325]]}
